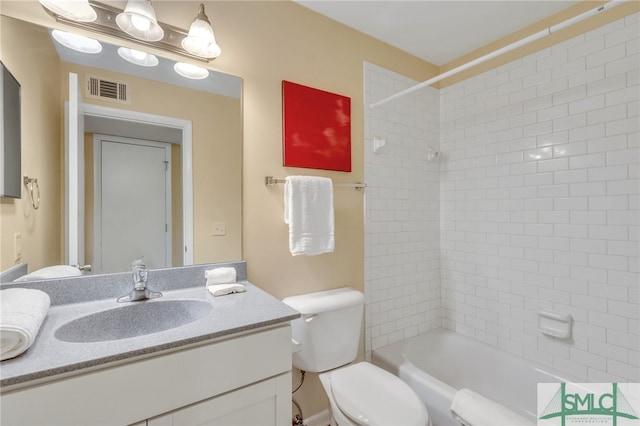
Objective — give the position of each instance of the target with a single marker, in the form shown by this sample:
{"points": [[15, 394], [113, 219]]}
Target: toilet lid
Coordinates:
{"points": [[370, 395]]}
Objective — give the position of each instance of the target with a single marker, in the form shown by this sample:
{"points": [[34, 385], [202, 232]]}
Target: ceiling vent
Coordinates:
{"points": [[107, 90]]}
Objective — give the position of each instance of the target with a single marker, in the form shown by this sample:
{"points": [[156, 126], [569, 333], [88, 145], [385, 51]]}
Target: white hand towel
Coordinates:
{"points": [[222, 289], [473, 409], [224, 275], [22, 312], [308, 210], [51, 272]]}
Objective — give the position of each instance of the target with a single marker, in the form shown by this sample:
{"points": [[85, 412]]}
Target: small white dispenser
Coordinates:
{"points": [[553, 323]]}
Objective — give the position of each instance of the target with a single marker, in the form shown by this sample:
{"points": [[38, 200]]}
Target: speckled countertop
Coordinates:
{"points": [[49, 358]]}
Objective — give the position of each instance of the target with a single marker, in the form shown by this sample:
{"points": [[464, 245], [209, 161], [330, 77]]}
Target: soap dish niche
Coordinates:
{"points": [[554, 323]]}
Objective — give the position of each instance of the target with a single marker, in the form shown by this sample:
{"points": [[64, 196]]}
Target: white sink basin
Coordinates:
{"points": [[133, 319]]}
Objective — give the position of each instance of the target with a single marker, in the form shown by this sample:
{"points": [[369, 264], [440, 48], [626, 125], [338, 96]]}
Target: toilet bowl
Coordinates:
{"points": [[328, 332], [363, 394]]}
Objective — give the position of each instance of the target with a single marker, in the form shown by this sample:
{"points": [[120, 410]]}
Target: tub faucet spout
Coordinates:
{"points": [[140, 290]]}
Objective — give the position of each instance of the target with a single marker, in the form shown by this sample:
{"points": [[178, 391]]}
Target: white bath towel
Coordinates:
{"points": [[473, 409], [223, 289], [308, 210], [22, 312], [224, 275]]}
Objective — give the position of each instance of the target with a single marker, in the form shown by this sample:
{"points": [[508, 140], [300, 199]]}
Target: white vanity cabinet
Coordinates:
{"points": [[244, 379], [261, 404]]}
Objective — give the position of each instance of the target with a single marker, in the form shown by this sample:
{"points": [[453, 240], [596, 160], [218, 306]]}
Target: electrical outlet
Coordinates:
{"points": [[219, 229], [17, 246]]}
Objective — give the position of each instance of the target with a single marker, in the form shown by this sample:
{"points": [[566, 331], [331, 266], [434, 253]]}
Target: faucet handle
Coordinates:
{"points": [[140, 274]]}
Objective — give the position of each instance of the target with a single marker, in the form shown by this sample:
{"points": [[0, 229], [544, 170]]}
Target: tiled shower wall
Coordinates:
{"points": [[402, 283], [539, 203], [535, 205]]}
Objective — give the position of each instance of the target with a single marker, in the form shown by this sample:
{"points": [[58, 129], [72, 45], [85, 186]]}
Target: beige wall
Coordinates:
{"points": [[42, 154], [266, 42]]}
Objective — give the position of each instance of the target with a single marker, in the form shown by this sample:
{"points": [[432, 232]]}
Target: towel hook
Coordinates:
{"points": [[30, 183]]}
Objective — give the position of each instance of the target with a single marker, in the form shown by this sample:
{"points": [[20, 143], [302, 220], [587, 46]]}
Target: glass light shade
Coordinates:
{"points": [[201, 41], [191, 71], [75, 10], [139, 21], [137, 57], [77, 42]]}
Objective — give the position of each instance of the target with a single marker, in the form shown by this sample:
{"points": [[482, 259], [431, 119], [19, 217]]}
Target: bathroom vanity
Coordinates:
{"points": [[229, 364]]}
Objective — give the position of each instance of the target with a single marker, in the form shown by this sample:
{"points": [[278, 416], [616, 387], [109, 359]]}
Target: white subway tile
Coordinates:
{"points": [[630, 372], [550, 61], [551, 113], [606, 56], [609, 203], [607, 85], [570, 176], [588, 104], [588, 188], [586, 161], [551, 191], [571, 122], [588, 76], [553, 165], [608, 173], [622, 96], [585, 48], [629, 32], [623, 126], [608, 114], [606, 144], [625, 64], [608, 232]]}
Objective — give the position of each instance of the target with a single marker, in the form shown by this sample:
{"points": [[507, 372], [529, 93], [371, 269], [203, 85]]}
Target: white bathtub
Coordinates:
{"points": [[439, 363]]}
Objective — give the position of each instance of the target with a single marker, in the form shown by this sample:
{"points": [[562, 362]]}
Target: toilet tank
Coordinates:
{"points": [[328, 329]]}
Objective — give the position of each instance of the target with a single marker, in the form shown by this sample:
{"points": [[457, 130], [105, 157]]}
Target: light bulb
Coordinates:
{"points": [[140, 23], [191, 71], [137, 57], [138, 54], [77, 42]]}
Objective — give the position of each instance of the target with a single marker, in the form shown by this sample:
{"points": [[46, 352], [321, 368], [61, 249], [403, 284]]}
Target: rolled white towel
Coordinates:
{"points": [[22, 312], [224, 275], [51, 272], [473, 409], [222, 289]]}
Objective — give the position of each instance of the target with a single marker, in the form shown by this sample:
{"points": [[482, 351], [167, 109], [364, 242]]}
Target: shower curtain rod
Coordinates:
{"points": [[502, 50]]}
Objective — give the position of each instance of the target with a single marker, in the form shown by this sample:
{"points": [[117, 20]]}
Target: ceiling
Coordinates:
{"points": [[437, 31]]}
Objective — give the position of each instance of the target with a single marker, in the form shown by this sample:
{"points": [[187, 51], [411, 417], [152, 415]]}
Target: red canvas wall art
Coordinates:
{"points": [[316, 128]]}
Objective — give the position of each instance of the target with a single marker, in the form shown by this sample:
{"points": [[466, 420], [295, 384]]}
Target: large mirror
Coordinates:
{"points": [[159, 151]]}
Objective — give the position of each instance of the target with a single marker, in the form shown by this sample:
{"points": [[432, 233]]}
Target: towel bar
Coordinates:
{"points": [[32, 183], [270, 181]]}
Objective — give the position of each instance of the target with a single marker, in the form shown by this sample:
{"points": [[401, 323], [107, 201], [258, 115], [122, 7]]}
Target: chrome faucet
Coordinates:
{"points": [[140, 290]]}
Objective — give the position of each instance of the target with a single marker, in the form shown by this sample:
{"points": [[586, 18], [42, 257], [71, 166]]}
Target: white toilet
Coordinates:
{"points": [[360, 394]]}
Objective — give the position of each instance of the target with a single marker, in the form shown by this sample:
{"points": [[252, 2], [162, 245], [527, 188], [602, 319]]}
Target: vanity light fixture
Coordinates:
{"points": [[76, 10], [139, 21], [201, 41], [137, 57], [191, 71], [77, 42]]}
